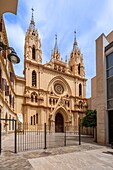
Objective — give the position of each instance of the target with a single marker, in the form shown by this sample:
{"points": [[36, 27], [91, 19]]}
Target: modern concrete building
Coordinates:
{"points": [[102, 88], [54, 92]]}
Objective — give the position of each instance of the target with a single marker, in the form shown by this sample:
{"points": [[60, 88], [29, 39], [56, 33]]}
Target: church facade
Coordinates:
{"points": [[53, 93]]}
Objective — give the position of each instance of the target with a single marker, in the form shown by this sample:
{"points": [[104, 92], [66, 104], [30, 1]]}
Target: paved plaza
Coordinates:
{"points": [[88, 156], [99, 159]]}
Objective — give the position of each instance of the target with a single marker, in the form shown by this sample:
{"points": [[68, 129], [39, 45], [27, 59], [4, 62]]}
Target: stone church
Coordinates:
{"points": [[53, 93]]}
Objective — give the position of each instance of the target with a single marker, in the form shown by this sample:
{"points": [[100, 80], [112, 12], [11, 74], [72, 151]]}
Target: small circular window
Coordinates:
{"points": [[58, 88]]}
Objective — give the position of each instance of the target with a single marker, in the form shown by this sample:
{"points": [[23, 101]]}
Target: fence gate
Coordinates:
{"points": [[8, 141], [30, 137]]}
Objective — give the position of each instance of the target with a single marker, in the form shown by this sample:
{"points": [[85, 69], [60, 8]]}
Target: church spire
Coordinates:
{"points": [[56, 53], [75, 41], [32, 23], [56, 45]]}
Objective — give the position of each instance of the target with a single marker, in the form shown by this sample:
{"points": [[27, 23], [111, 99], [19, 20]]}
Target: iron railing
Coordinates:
{"points": [[41, 136]]}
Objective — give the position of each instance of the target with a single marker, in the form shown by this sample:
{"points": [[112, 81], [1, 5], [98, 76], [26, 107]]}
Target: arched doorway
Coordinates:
{"points": [[59, 123]]}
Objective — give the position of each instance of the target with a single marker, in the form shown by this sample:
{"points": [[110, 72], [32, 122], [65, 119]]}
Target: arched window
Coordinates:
{"points": [[34, 78], [33, 53], [50, 101], [71, 68], [80, 105], [79, 69], [36, 118], [35, 98], [6, 117], [13, 102], [32, 98], [68, 104], [80, 89], [31, 120], [53, 102]]}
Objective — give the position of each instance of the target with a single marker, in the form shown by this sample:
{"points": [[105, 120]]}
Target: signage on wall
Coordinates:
{"points": [[20, 117]]}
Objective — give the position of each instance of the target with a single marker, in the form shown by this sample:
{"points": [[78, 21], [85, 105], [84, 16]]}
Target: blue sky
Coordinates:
{"points": [[89, 18]]}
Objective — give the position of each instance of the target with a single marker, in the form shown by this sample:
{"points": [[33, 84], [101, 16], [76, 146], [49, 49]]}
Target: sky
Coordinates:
{"points": [[90, 18]]}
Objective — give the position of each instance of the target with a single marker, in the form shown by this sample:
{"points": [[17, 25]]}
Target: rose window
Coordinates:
{"points": [[58, 88]]}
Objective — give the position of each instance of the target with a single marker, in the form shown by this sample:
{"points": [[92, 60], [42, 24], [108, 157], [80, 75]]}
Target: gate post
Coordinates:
{"points": [[45, 147], [79, 134], [15, 138], [65, 136], [0, 136]]}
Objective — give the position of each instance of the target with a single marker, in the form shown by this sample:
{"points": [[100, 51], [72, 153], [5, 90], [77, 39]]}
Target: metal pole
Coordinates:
{"points": [[79, 133], [65, 137], [15, 138], [0, 136], [45, 147]]}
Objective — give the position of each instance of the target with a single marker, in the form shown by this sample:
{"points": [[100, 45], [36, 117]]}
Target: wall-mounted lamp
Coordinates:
{"points": [[12, 56]]}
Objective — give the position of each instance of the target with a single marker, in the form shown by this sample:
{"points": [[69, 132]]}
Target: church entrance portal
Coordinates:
{"points": [[59, 123]]}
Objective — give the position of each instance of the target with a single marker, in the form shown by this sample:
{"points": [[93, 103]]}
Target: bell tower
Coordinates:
{"points": [[32, 53], [32, 47], [76, 64]]}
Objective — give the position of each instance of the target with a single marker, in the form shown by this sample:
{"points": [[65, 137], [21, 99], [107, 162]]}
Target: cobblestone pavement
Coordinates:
{"points": [[88, 156]]}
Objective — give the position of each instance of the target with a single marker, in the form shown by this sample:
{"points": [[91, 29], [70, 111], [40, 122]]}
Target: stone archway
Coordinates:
{"points": [[59, 123]]}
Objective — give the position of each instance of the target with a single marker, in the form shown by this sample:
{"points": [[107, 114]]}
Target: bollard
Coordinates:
{"points": [[79, 135], [45, 147]]}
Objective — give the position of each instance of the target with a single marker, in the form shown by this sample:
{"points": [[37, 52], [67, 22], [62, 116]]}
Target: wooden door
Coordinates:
{"points": [[59, 123]]}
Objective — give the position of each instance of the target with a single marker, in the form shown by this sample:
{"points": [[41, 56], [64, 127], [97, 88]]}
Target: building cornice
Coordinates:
{"points": [[54, 71]]}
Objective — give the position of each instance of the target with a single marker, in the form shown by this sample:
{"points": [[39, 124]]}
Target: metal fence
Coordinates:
{"points": [[25, 137], [31, 137]]}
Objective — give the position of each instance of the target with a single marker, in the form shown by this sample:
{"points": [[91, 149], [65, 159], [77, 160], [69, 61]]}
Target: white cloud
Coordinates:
{"points": [[104, 22], [89, 18], [16, 37]]}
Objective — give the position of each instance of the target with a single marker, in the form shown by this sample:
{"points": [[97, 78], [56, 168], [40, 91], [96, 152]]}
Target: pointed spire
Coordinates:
{"points": [[75, 41], [66, 59], [32, 23], [56, 45], [56, 53]]}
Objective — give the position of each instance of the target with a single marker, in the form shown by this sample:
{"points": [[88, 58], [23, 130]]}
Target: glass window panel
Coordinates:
{"points": [[110, 88], [110, 104], [110, 72], [109, 60]]}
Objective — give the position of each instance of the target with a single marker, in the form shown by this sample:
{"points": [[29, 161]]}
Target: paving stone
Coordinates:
{"points": [[88, 156], [86, 160]]}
